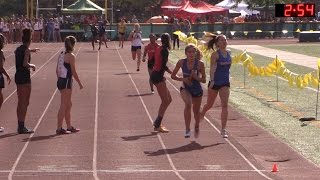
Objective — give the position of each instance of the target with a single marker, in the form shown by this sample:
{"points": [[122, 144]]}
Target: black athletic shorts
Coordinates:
{"points": [[157, 77], [1, 81], [22, 77], [135, 48], [64, 83]]}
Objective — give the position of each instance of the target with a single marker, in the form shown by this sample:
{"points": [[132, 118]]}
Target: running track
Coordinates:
{"points": [[114, 112]]}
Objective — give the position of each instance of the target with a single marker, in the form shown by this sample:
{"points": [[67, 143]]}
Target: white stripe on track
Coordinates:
{"points": [[95, 136], [147, 111], [127, 171], [13, 169], [34, 73]]}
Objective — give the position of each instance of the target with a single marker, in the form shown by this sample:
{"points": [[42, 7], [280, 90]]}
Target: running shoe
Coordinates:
{"points": [[161, 129], [73, 130], [62, 131], [1, 129], [25, 130], [224, 133], [196, 132], [187, 134]]}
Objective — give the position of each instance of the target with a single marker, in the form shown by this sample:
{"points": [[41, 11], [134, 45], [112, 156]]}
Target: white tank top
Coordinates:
{"points": [[137, 39], [62, 70]]}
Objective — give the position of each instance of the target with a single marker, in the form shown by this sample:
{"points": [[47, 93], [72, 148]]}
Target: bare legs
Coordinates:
{"points": [[24, 92], [194, 103], [224, 93], [150, 82], [65, 108], [165, 102], [137, 54]]}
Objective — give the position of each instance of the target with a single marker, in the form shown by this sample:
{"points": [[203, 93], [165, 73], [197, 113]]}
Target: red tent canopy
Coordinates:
{"points": [[185, 8]]}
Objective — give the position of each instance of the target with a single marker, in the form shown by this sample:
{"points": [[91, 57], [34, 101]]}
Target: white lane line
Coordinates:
{"points": [[95, 136], [35, 129], [34, 73], [124, 171], [147, 111], [230, 143]]}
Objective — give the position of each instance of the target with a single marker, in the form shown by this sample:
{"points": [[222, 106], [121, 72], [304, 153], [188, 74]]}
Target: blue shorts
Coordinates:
{"points": [[217, 87], [64, 83]]}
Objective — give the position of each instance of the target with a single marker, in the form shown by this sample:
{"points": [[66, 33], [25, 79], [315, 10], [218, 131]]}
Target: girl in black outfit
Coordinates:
{"points": [[22, 78], [102, 34], [66, 71], [94, 31], [158, 79], [2, 72]]}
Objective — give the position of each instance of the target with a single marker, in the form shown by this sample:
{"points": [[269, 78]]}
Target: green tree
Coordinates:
{"points": [[12, 7]]}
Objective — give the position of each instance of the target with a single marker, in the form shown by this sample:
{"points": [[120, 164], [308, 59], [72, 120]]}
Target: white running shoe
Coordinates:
{"points": [[1, 129], [187, 134], [224, 133]]}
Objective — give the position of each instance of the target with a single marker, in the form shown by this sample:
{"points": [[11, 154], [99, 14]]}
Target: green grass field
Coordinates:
{"points": [[277, 108]]}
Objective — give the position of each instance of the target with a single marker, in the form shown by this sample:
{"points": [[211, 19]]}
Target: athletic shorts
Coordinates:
{"points": [[135, 48], [156, 77], [22, 77], [217, 87], [64, 83], [1, 81], [193, 94], [121, 33]]}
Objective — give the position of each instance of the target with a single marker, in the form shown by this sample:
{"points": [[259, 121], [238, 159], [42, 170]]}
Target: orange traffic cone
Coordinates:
{"points": [[274, 168]]}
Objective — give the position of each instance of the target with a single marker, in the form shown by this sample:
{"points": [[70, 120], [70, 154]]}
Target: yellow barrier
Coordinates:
{"points": [[275, 68]]}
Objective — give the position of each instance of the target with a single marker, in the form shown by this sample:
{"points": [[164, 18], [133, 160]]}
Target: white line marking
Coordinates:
{"points": [[147, 111], [95, 137], [35, 128], [34, 73], [125, 171], [230, 143]]}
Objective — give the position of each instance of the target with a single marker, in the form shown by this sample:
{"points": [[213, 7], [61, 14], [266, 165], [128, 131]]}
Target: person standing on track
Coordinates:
{"points": [[102, 34], [150, 49], [158, 79], [136, 43], [23, 79], [2, 72], [94, 31], [191, 90], [66, 69], [121, 32], [219, 79]]}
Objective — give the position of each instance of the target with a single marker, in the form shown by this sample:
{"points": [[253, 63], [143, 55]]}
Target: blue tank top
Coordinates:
{"points": [[187, 72], [222, 73]]}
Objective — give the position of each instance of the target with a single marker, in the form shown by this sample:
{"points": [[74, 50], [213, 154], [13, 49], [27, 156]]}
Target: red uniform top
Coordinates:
{"points": [[161, 59], [151, 50]]}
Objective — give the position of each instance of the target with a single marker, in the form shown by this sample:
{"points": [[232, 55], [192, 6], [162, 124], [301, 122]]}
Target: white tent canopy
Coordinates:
{"points": [[242, 7]]}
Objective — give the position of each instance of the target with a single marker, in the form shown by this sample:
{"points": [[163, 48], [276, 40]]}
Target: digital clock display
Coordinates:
{"points": [[295, 10]]}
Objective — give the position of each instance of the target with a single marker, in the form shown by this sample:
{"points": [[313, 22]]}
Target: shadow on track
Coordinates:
{"points": [[132, 138], [186, 148], [40, 138]]}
